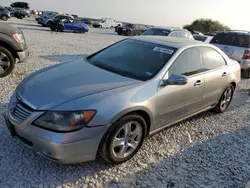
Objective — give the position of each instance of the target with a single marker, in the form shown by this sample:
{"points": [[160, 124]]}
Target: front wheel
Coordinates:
{"points": [[82, 31], [60, 28], [225, 99], [128, 33], [124, 139], [7, 62]]}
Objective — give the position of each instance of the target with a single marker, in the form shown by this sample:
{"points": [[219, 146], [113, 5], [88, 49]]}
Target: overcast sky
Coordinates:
{"points": [[155, 12]]}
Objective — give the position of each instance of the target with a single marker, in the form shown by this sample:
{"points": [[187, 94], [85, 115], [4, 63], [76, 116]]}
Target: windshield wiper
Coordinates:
{"points": [[119, 72]]}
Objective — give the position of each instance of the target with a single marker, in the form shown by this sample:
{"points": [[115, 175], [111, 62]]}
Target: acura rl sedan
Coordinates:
{"points": [[108, 103]]}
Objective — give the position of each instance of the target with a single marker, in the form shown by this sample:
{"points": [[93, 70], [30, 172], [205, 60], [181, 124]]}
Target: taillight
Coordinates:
{"points": [[246, 54]]}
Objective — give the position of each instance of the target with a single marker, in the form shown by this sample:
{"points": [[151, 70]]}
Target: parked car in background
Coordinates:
{"points": [[56, 19], [172, 32], [131, 29], [236, 44], [144, 85], [105, 23], [203, 38], [12, 47], [42, 19], [22, 5], [21, 13], [4, 14], [70, 25]]}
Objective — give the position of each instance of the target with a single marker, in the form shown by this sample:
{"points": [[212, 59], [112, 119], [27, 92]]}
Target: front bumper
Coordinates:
{"points": [[23, 55], [66, 148]]}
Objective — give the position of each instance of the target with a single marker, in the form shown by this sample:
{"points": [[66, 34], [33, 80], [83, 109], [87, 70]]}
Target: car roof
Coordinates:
{"points": [[175, 42], [236, 31], [170, 28]]}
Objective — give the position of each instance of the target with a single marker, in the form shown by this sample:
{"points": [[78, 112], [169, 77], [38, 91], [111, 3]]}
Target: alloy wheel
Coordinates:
{"points": [[4, 62], [226, 98], [127, 139]]}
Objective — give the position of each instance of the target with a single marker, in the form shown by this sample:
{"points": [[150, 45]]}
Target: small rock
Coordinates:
{"points": [[86, 180], [116, 179], [91, 185]]}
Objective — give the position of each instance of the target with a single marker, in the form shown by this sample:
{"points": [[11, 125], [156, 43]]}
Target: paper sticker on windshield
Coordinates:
{"points": [[163, 50]]}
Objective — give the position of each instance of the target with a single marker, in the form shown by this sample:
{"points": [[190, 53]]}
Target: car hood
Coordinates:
{"points": [[64, 82]]}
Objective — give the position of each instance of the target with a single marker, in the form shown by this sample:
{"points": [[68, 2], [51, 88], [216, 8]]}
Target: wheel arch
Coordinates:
{"points": [[144, 112], [10, 48]]}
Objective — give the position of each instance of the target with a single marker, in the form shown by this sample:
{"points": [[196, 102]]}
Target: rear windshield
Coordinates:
{"points": [[133, 58], [200, 38], [232, 39], [158, 32]]}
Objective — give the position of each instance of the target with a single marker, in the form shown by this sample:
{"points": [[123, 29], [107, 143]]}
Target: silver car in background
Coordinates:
{"points": [[236, 44], [169, 31], [108, 103]]}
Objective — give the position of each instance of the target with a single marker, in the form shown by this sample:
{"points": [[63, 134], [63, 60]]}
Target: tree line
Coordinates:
{"points": [[206, 26]]}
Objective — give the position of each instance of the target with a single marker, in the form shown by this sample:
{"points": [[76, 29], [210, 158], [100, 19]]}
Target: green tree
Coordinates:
{"points": [[206, 25]]}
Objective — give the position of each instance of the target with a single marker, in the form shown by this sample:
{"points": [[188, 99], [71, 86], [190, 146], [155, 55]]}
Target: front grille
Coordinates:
{"points": [[20, 112]]}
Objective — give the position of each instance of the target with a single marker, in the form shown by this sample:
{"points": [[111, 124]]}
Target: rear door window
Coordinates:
{"points": [[232, 39], [211, 59], [173, 34]]}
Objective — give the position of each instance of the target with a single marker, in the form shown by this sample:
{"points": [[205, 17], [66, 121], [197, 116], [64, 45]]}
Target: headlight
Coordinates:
{"points": [[18, 37], [64, 121]]}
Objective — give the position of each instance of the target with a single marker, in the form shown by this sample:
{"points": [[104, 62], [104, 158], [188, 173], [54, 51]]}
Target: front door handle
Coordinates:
{"points": [[224, 74], [197, 83]]}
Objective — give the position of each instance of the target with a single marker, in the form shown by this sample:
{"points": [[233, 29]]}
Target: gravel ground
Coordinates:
{"points": [[209, 150]]}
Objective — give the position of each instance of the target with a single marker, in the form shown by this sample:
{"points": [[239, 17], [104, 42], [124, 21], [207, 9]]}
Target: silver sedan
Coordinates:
{"points": [[108, 103]]}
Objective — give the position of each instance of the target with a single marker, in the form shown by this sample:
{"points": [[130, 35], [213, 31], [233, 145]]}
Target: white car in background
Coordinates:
{"points": [[105, 23]]}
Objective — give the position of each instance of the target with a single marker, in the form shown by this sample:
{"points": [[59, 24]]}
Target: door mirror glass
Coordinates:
{"points": [[176, 79]]}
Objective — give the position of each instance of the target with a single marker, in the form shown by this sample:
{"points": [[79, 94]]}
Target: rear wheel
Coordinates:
{"points": [[124, 139], [4, 18], [7, 62], [225, 99]]}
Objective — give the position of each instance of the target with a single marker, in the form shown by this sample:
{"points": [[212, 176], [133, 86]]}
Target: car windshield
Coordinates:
{"points": [[232, 39], [133, 58], [158, 32]]}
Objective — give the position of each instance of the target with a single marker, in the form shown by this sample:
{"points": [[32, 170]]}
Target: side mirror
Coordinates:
{"points": [[176, 79]]}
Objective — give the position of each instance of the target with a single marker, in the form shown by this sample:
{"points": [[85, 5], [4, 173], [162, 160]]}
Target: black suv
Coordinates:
{"points": [[20, 5], [12, 47]]}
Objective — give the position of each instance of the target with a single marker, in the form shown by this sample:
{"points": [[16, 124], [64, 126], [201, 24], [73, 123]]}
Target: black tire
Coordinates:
{"points": [[119, 33], [219, 108], [128, 33], [60, 28], [4, 18], [11, 59], [52, 28], [82, 31], [106, 151], [246, 73]]}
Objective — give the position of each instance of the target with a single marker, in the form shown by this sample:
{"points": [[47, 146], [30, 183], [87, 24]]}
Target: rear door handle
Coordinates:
{"points": [[197, 83], [224, 74]]}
